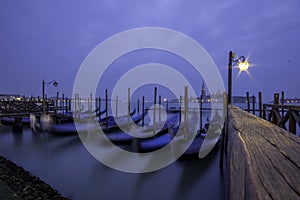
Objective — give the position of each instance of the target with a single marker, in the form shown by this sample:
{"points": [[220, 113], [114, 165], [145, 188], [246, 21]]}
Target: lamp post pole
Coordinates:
{"points": [[243, 65], [43, 92], [230, 77], [43, 95]]}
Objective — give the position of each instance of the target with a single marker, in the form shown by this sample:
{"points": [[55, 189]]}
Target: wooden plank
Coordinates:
{"points": [[263, 159]]}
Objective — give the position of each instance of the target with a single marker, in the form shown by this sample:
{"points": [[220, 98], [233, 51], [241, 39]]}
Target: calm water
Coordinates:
{"points": [[65, 164]]}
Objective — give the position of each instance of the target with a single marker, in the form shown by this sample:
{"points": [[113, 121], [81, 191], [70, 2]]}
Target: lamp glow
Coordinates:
{"points": [[243, 65]]}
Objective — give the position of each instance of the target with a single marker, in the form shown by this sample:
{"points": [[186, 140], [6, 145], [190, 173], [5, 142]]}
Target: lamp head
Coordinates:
{"points": [[55, 84], [243, 64]]}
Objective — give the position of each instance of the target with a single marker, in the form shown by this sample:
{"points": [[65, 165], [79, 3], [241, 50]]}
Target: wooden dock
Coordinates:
{"points": [[263, 160]]}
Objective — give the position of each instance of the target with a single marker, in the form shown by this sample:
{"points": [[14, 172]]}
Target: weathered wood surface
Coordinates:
{"points": [[263, 159]]}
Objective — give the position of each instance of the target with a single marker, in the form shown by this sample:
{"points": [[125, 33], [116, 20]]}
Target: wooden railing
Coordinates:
{"points": [[281, 114]]}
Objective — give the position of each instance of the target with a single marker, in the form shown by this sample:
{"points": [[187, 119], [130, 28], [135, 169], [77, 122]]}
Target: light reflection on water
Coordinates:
{"points": [[65, 164]]}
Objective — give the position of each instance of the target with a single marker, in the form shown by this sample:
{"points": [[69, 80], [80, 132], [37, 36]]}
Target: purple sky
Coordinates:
{"points": [[49, 39]]}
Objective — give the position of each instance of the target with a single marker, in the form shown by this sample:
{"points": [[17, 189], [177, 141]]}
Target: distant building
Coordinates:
{"points": [[10, 97], [242, 99]]}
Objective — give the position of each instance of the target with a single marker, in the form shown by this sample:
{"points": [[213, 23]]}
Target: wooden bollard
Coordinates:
{"points": [[128, 112], [248, 101], [56, 103], [154, 111], [63, 104], [167, 104], [276, 98], [117, 101], [180, 108], [276, 102], [186, 104], [253, 104], [91, 105], [106, 107], [159, 109], [138, 106], [99, 107], [282, 104], [143, 111], [260, 104], [292, 122], [75, 106]]}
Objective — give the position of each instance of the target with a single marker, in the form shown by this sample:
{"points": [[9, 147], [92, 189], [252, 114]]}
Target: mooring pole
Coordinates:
{"points": [[106, 106], [260, 104], [248, 102], [159, 109], [282, 104], [117, 99], [138, 106], [185, 111], [143, 110], [253, 104], [128, 114], [99, 104], [154, 111]]}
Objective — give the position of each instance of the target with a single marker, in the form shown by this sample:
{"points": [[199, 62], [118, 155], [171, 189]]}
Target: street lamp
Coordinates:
{"points": [[243, 65], [55, 84]]}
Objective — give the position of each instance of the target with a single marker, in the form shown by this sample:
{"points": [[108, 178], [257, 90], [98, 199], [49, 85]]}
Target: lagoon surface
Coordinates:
{"points": [[65, 164]]}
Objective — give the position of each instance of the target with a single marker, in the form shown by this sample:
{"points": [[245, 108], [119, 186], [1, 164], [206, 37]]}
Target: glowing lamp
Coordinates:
{"points": [[244, 65]]}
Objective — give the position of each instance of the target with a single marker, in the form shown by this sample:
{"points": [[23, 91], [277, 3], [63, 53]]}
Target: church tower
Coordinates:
{"points": [[203, 91]]}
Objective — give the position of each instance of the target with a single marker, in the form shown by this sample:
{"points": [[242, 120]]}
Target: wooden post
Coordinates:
{"points": [[91, 105], [276, 102], [185, 111], [264, 111], [70, 102], [159, 109], [167, 104], [56, 103], [99, 106], [260, 104], [180, 108], [79, 105], [248, 102], [106, 106], [63, 103], [138, 106], [292, 122], [96, 104], [154, 111], [117, 101], [253, 104], [128, 114], [282, 104], [75, 105], [143, 111], [276, 99]]}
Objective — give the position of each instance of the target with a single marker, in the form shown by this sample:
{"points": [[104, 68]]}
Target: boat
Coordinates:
{"points": [[149, 140], [112, 123], [8, 121], [70, 128]]}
